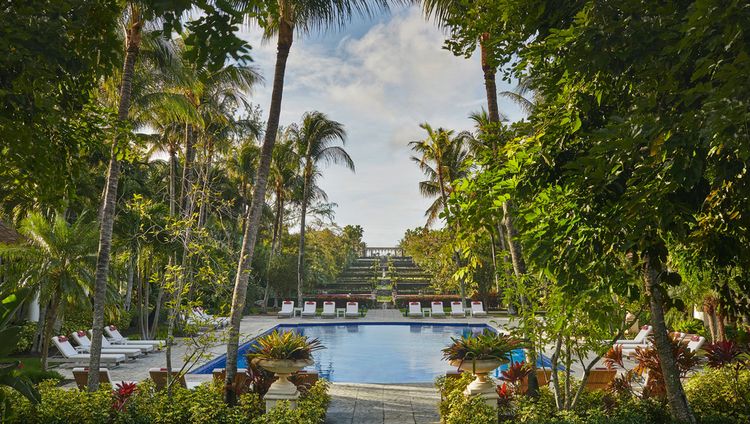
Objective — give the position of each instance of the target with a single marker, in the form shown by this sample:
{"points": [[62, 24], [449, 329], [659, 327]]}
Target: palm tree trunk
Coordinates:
{"points": [[109, 202], [253, 219], [653, 268], [187, 169], [50, 318], [301, 253], [131, 279], [489, 82], [172, 179]]}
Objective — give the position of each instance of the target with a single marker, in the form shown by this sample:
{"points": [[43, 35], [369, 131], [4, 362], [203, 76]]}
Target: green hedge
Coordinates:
{"points": [[720, 395], [203, 405]]}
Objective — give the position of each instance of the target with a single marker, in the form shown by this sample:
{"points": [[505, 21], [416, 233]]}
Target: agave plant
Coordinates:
{"points": [[289, 345], [488, 345]]}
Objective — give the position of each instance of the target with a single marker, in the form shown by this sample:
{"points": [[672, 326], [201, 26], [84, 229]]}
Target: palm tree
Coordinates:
{"points": [[133, 30], [58, 259], [314, 141], [442, 158], [303, 16]]}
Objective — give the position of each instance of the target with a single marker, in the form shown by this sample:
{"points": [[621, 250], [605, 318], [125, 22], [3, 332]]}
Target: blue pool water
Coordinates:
{"points": [[377, 352]]}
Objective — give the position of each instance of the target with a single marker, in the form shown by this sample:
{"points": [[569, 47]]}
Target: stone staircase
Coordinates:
{"points": [[381, 276]]}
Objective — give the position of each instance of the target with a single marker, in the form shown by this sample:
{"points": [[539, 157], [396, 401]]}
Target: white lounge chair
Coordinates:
{"points": [[287, 309], [159, 377], [71, 354], [329, 310], [145, 348], [352, 310], [477, 309], [84, 344], [115, 337], [437, 309], [81, 376], [696, 342], [639, 339], [218, 321], [457, 309], [309, 309], [415, 310]]}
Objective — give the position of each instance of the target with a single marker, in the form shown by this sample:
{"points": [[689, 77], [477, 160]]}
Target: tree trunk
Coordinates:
{"points": [[131, 278], [253, 219], [187, 169], [109, 202], [494, 262], [493, 111], [50, 318], [301, 253], [652, 271], [554, 360], [172, 180]]}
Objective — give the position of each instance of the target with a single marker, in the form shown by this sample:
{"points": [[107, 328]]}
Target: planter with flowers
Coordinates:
{"points": [[283, 354], [479, 355]]}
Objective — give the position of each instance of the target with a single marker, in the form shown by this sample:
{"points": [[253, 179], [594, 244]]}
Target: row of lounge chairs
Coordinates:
{"points": [[115, 347], [310, 309], [457, 309], [202, 319], [694, 342]]}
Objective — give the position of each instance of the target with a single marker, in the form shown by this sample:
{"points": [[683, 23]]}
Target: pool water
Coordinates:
{"points": [[376, 353]]}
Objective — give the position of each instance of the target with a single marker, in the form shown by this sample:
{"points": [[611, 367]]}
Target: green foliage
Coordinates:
{"points": [[26, 337], [488, 345], [720, 395], [284, 345], [455, 408], [204, 405]]}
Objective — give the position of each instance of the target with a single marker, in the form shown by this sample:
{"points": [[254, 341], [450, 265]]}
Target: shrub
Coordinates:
{"points": [[284, 345], [488, 345], [720, 395], [204, 405], [25, 337], [455, 408]]}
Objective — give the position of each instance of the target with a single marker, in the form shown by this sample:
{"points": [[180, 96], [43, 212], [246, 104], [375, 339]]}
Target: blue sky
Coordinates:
{"points": [[381, 78]]}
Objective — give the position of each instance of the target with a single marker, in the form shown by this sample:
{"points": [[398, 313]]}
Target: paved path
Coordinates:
{"points": [[383, 404]]}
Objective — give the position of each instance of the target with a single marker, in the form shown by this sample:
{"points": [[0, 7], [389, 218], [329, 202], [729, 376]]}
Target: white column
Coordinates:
{"points": [[32, 314]]}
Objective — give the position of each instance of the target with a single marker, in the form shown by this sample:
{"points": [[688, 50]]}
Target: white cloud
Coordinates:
{"points": [[381, 86]]}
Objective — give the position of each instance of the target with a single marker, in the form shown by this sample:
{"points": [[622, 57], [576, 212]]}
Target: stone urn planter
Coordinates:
{"points": [[282, 388], [483, 385]]}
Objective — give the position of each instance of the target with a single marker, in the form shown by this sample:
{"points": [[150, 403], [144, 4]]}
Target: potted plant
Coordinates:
{"points": [[283, 354], [480, 354]]}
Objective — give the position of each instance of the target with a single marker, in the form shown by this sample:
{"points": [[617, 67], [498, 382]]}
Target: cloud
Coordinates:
{"points": [[381, 83]]}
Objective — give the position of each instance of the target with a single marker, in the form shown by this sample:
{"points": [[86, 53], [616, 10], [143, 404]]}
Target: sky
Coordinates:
{"points": [[380, 78]]}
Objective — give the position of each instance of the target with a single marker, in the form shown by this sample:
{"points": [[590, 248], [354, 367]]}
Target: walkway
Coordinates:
{"points": [[383, 404]]}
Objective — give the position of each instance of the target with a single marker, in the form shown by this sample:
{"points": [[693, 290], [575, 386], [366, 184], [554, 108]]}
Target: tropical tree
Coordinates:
{"points": [[314, 142], [287, 17], [57, 259]]}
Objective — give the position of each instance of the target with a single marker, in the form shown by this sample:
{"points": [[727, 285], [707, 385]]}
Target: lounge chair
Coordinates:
{"points": [[457, 309], [71, 354], [241, 383], [116, 338], [217, 321], [352, 310], [287, 309], [84, 344], [159, 377], [193, 318], [543, 377], [599, 379], [477, 309], [639, 339], [437, 309], [145, 348], [696, 342], [81, 376], [415, 310], [309, 309], [329, 310]]}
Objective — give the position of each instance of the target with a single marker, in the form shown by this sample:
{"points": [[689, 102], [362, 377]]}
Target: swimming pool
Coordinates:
{"points": [[376, 352]]}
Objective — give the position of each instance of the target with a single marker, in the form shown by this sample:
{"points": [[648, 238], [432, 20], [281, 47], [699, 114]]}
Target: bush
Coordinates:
{"points": [[204, 405], [720, 395], [25, 337]]}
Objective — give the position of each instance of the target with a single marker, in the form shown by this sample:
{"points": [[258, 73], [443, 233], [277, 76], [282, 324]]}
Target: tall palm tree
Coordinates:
{"points": [[133, 28], [314, 141], [58, 259], [441, 157], [302, 16]]}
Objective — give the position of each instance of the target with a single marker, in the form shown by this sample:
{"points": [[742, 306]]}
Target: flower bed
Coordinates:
{"points": [[146, 405]]}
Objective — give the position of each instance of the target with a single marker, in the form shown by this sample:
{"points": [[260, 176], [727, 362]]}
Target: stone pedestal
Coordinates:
{"points": [[484, 387], [281, 389]]}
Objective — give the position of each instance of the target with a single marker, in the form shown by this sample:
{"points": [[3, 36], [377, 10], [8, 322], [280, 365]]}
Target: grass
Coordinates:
{"points": [[31, 367]]}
